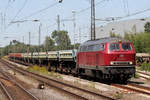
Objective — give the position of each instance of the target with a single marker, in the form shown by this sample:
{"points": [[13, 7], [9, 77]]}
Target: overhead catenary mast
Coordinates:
{"points": [[58, 22], [40, 36], [93, 37]]}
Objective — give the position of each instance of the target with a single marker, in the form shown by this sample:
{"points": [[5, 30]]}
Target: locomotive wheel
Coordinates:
{"points": [[49, 68], [77, 72], [70, 71], [55, 68]]}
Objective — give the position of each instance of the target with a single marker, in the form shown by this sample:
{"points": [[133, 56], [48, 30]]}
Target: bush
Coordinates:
{"points": [[43, 70], [38, 69]]}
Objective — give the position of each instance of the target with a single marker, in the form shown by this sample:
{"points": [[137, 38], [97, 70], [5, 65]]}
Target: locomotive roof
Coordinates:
{"points": [[101, 40]]}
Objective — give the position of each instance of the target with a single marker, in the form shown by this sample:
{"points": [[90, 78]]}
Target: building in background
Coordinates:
{"points": [[121, 27]]}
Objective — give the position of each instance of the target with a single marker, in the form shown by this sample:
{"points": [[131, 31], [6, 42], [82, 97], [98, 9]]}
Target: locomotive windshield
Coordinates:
{"points": [[126, 46], [114, 47], [117, 46]]}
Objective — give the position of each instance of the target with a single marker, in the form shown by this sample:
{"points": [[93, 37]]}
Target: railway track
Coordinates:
{"points": [[130, 87], [13, 90], [78, 92], [6, 93], [143, 74]]}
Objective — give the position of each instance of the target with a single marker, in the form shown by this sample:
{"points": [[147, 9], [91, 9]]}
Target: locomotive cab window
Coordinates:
{"points": [[114, 47], [126, 46], [79, 49], [83, 48], [96, 47], [102, 46]]}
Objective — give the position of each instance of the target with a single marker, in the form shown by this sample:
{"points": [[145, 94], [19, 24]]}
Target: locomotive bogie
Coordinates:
{"points": [[110, 73]]}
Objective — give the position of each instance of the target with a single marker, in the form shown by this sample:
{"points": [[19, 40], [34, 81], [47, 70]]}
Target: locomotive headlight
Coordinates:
{"points": [[131, 63], [111, 63]]}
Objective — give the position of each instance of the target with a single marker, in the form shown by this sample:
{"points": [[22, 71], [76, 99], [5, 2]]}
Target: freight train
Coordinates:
{"points": [[106, 58]]}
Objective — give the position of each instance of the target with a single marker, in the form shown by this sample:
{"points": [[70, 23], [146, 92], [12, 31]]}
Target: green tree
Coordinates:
{"points": [[134, 31], [140, 41], [77, 45], [49, 44], [112, 34], [61, 39], [127, 36], [147, 27]]}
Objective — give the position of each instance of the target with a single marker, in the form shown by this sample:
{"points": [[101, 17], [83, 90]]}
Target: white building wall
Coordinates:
{"points": [[121, 27]]}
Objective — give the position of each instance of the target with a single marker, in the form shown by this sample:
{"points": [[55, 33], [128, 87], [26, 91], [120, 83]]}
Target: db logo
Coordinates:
{"points": [[121, 55]]}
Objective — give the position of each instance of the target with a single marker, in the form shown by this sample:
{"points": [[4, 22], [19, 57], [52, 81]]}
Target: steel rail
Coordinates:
{"points": [[33, 96], [143, 73], [6, 92], [58, 82], [21, 87], [139, 86], [134, 88], [144, 77], [27, 73]]}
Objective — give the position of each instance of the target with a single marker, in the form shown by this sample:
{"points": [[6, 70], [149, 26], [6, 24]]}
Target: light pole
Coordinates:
{"points": [[40, 35], [35, 20], [39, 42], [93, 34], [74, 26], [58, 22], [60, 1]]}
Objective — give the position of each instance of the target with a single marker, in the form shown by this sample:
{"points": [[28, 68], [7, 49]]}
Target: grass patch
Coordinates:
{"points": [[36, 68], [92, 85], [55, 75], [137, 67], [145, 66], [43, 70], [76, 81], [137, 75]]}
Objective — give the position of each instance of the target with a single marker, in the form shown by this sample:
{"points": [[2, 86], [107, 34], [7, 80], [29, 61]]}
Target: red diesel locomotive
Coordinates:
{"points": [[106, 58]]}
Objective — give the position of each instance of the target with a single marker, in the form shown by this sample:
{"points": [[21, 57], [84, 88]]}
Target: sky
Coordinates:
{"points": [[45, 11]]}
